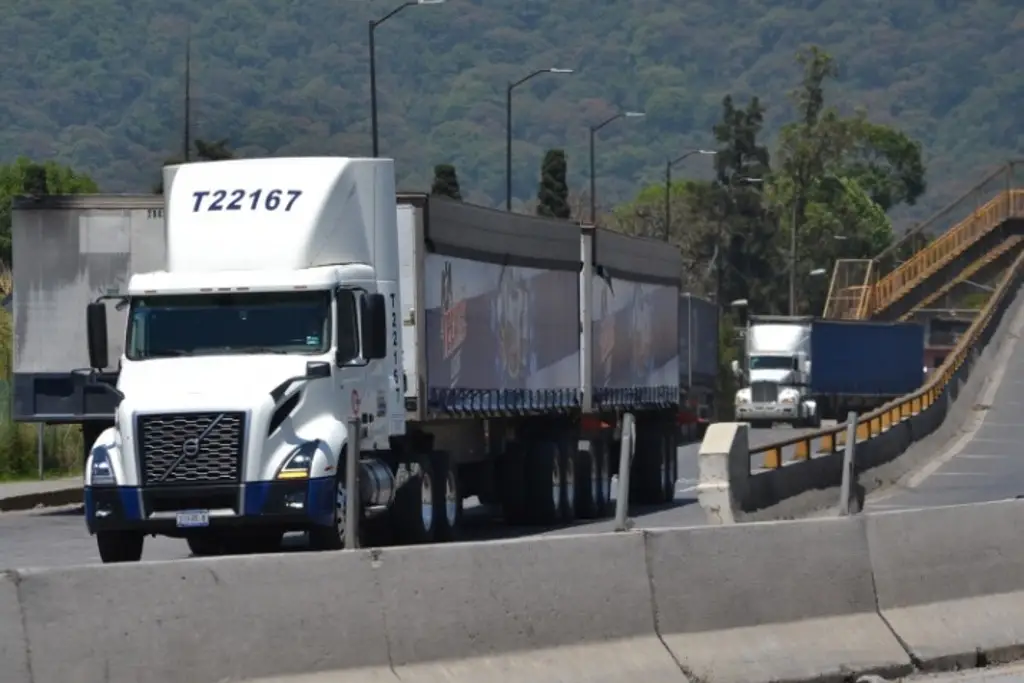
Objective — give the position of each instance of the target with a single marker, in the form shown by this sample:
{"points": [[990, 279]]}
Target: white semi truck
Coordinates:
{"points": [[272, 300], [776, 373]]}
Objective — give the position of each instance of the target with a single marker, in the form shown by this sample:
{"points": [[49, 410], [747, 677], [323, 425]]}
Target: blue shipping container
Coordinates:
{"points": [[866, 358]]}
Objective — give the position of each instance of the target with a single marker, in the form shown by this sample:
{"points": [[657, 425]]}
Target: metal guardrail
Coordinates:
{"points": [[869, 425], [860, 288]]}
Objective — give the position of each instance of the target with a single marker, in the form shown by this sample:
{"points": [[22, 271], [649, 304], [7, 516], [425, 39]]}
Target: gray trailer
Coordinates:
{"points": [[70, 250]]}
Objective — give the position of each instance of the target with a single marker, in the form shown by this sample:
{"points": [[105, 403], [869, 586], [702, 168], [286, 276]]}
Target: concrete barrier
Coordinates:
{"points": [[950, 581], [13, 642], [204, 621], [821, 600], [779, 601], [574, 608]]}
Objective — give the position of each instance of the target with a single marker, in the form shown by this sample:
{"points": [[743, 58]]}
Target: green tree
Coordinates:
{"points": [[27, 177], [446, 182], [205, 150], [553, 191]]}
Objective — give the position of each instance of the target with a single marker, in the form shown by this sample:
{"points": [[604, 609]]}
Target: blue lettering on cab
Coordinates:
{"points": [[244, 200]]}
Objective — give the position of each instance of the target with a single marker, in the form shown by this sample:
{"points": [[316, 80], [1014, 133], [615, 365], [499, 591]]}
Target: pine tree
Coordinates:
{"points": [[553, 192], [446, 182]]}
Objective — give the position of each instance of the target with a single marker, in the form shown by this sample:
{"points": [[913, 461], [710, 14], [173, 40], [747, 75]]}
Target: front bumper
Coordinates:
{"points": [[284, 505], [775, 412]]}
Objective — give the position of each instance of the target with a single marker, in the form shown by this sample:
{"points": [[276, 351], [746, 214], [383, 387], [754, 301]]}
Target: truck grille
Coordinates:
{"points": [[764, 392], [191, 448]]}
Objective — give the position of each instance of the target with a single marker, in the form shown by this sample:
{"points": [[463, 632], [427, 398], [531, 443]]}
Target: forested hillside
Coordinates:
{"points": [[98, 85]]}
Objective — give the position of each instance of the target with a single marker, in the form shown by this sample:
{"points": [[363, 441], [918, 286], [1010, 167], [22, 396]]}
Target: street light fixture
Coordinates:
{"points": [[508, 127], [593, 172], [668, 182], [374, 23]]}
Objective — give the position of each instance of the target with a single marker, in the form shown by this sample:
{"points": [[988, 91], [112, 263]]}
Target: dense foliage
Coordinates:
{"points": [[99, 85]]}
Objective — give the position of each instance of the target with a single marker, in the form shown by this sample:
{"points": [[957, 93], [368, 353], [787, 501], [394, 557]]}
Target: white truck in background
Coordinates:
{"points": [[776, 373], [484, 353]]}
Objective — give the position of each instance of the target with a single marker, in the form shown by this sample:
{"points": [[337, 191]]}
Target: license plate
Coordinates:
{"points": [[191, 519]]}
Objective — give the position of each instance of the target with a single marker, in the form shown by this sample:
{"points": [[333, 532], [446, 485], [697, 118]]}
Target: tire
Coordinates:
{"points": [[588, 484], [646, 485], [333, 537], [413, 517], [205, 545], [602, 458], [119, 546], [568, 465], [513, 484], [447, 499], [669, 443], [544, 489]]}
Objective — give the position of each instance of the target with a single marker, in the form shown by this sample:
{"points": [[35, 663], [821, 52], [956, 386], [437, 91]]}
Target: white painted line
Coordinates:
{"points": [[986, 439], [687, 490], [979, 456], [975, 421]]}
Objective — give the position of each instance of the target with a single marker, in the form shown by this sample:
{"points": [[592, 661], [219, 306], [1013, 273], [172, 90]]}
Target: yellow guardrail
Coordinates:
{"points": [[927, 262], [1010, 245], [830, 439], [861, 288]]}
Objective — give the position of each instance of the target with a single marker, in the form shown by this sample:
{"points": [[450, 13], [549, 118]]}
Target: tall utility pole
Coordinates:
{"points": [[508, 127], [792, 258], [593, 171], [668, 185], [374, 23], [187, 133]]}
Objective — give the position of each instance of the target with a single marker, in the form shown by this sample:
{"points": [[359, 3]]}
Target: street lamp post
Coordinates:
{"points": [[668, 183], [374, 23], [508, 127], [593, 172]]}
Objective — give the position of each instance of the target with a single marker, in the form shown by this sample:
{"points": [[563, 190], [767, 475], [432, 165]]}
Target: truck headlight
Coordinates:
{"points": [[102, 472], [742, 399], [299, 461]]}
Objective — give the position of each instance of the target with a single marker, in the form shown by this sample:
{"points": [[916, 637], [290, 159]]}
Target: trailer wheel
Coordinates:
{"points": [[647, 474], [514, 494], [588, 484], [568, 465], [603, 453], [413, 514], [544, 477], [447, 499], [119, 546], [671, 465]]}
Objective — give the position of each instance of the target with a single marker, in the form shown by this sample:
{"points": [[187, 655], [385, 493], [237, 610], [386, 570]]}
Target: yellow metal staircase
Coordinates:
{"points": [[980, 226]]}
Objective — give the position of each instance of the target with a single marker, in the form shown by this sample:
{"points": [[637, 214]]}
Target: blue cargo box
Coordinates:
{"points": [[866, 358]]}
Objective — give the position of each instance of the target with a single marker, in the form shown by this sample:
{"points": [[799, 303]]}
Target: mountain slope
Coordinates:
{"points": [[99, 84]]}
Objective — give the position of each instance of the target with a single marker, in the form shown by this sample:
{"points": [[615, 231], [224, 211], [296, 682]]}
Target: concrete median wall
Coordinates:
{"points": [[810, 600]]}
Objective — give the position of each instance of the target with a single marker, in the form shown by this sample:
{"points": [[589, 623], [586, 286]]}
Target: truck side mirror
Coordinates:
{"points": [[374, 332], [96, 334], [735, 365]]}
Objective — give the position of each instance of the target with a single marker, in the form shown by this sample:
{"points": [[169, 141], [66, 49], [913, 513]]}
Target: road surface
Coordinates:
{"points": [[1012, 673], [984, 463], [57, 538]]}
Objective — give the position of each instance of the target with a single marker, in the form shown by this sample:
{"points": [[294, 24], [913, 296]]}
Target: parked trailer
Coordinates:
{"points": [[478, 382], [698, 360], [861, 365]]}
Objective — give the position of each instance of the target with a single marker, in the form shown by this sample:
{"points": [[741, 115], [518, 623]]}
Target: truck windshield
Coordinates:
{"points": [[162, 326], [772, 363]]}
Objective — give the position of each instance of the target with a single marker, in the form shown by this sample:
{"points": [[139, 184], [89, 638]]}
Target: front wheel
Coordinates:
{"points": [[332, 537], [119, 546]]}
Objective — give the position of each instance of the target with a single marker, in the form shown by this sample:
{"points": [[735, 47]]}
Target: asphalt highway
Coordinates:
{"points": [[986, 461], [57, 537]]}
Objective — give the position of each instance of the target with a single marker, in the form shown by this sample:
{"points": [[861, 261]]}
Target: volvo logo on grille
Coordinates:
{"points": [[190, 448]]}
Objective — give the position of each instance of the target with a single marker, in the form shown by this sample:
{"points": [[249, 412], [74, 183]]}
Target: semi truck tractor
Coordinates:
{"points": [[777, 360], [857, 366], [237, 326]]}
